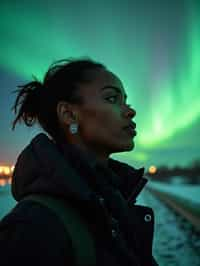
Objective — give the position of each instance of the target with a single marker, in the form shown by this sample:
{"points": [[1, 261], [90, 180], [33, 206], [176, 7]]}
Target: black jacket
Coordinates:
{"points": [[105, 197]]}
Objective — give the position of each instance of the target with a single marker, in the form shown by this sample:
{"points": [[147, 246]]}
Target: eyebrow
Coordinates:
{"points": [[114, 88]]}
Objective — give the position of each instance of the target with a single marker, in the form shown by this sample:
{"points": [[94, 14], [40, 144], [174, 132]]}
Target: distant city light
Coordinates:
{"points": [[2, 182], [5, 174], [12, 168], [152, 169], [6, 170]]}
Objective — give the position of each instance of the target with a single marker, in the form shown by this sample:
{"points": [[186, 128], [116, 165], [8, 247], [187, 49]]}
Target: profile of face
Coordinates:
{"points": [[104, 116]]}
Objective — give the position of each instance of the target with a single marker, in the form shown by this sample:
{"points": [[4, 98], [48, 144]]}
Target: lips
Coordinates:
{"points": [[132, 132], [130, 129], [131, 125]]}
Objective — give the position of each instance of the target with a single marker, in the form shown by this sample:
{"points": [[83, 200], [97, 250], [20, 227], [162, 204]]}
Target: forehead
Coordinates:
{"points": [[100, 79], [105, 77]]}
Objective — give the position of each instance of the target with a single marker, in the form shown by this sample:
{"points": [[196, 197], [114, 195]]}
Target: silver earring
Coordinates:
{"points": [[73, 128]]}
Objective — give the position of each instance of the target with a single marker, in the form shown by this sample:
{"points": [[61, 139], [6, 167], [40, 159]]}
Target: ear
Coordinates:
{"points": [[65, 113]]}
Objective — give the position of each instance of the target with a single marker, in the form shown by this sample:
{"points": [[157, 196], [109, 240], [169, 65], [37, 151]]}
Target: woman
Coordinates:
{"points": [[82, 108]]}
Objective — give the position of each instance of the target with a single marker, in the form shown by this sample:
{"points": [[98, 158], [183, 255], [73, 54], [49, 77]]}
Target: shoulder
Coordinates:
{"points": [[29, 211], [31, 230]]}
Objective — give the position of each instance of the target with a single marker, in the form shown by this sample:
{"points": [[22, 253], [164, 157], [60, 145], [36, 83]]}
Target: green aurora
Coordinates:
{"points": [[156, 59]]}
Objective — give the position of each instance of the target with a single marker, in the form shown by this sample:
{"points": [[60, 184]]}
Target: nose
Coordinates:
{"points": [[130, 112]]}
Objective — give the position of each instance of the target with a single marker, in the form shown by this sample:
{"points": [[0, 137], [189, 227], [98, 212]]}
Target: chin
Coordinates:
{"points": [[124, 147], [130, 147]]}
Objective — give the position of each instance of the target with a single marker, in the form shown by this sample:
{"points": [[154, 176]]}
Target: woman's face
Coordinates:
{"points": [[103, 116]]}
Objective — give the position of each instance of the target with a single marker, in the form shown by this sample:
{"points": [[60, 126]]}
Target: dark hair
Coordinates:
{"points": [[37, 101]]}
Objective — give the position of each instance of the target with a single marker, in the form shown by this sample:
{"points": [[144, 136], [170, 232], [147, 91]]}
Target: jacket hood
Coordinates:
{"points": [[43, 168]]}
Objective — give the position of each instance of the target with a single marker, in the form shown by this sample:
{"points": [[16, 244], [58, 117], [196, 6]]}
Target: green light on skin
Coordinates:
{"points": [[132, 157]]}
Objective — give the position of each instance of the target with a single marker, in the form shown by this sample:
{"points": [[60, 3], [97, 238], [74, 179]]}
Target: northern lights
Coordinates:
{"points": [[153, 46]]}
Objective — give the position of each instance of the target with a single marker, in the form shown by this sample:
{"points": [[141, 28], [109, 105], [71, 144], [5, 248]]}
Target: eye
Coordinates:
{"points": [[112, 97], [115, 99]]}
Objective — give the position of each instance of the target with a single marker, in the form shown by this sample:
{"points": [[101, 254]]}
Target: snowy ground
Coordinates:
{"points": [[6, 200], [176, 242], [187, 192]]}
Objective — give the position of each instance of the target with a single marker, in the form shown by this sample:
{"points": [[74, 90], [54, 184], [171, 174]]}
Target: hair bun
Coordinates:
{"points": [[29, 101]]}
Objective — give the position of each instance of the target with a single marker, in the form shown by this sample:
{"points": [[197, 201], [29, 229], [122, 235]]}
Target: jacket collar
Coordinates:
{"points": [[42, 168], [127, 179]]}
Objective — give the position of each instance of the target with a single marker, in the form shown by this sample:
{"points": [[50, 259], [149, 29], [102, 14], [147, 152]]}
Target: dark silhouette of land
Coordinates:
{"points": [[189, 175]]}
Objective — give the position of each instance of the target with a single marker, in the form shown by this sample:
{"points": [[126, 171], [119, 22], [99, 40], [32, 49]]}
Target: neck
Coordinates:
{"points": [[100, 157], [90, 152]]}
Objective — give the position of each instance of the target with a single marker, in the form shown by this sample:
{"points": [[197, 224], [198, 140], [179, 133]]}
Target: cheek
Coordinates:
{"points": [[99, 121]]}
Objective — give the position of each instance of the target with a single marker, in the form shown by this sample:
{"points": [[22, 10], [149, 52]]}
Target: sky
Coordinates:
{"points": [[152, 46]]}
